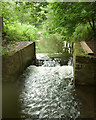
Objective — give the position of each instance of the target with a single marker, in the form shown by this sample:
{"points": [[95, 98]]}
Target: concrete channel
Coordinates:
{"points": [[84, 71], [14, 63]]}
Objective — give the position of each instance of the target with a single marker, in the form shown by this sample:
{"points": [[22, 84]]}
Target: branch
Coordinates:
{"points": [[93, 23], [90, 23]]}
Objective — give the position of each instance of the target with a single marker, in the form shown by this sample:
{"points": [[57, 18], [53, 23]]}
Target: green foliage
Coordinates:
{"points": [[20, 32], [83, 33], [8, 12], [50, 43], [71, 21], [58, 21], [24, 12], [20, 20], [70, 15], [3, 51]]}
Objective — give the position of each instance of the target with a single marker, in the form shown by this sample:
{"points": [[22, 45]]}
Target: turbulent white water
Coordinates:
{"points": [[48, 92]]}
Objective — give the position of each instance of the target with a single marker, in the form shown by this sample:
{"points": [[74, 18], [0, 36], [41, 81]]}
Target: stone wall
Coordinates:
{"points": [[13, 65], [84, 69]]}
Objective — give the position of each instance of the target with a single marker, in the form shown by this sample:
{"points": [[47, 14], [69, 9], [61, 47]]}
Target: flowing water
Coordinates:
{"points": [[43, 91], [48, 91]]}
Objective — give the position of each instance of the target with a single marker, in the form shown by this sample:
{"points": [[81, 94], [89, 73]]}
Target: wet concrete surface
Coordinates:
{"points": [[87, 98]]}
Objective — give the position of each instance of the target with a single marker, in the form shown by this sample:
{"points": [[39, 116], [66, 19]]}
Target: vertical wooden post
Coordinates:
{"points": [[1, 23]]}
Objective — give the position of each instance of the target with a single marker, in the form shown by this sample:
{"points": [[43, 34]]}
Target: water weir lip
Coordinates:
{"points": [[57, 59]]}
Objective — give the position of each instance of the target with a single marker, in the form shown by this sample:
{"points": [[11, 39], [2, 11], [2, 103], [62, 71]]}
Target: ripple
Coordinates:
{"points": [[48, 92]]}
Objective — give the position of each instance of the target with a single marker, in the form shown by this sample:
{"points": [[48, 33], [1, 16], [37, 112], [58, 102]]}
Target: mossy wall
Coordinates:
{"points": [[84, 69], [13, 65]]}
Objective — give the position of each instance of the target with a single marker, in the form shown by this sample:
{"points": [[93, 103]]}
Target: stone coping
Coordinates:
{"points": [[18, 46], [80, 52]]}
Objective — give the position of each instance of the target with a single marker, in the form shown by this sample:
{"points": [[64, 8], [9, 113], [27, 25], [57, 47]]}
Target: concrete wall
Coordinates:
{"points": [[84, 69], [13, 65]]}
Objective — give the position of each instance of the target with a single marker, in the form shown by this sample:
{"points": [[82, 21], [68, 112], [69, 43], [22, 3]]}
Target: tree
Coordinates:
{"points": [[70, 15], [31, 12]]}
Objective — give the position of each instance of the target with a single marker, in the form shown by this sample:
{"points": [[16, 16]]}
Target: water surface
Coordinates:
{"points": [[45, 91]]}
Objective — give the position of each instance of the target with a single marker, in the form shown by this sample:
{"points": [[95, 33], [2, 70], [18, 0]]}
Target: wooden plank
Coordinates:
{"points": [[86, 48]]}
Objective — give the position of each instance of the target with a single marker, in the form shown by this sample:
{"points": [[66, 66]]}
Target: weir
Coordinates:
{"points": [[44, 90], [47, 90], [22, 55]]}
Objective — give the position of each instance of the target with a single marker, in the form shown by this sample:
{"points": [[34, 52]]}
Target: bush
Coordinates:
{"points": [[20, 32]]}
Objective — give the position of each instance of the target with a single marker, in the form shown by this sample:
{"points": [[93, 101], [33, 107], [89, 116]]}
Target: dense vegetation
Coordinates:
{"points": [[78, 19], [56, 21]]}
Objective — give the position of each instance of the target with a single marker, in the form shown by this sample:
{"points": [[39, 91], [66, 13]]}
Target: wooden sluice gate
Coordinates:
{"points": [[84, 63]]}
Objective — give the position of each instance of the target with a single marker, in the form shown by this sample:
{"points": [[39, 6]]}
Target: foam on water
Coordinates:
{"points": [[48, 93]]}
